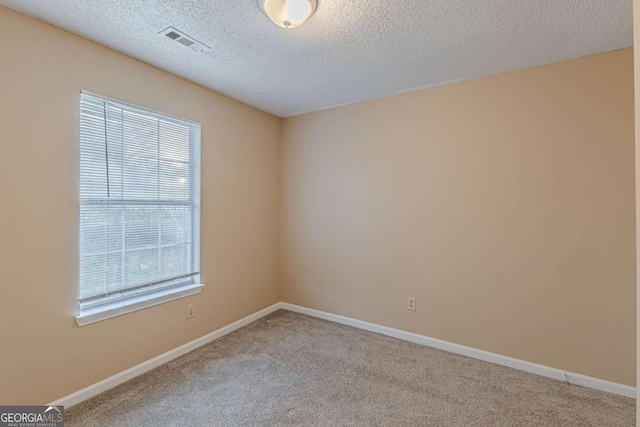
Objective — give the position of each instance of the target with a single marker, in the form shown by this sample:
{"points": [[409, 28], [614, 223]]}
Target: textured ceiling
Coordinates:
{"points": [[349, 50]]}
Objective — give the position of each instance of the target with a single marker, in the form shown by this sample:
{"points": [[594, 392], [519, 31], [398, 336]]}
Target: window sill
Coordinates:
{"points": [[135, 303]]}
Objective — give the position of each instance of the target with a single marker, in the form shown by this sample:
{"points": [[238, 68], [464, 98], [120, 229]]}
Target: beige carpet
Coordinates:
{"points": [[291, 370]]}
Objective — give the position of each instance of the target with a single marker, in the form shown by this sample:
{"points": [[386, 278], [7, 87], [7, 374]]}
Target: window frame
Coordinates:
{"points": [[127, 300]]}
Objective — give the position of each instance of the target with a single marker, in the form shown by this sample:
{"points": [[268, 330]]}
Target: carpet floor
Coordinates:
{"points": [[287, 369]]}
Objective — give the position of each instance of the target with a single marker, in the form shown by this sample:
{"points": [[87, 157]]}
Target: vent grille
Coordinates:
{"points": [[172, 35], [185, 40]]}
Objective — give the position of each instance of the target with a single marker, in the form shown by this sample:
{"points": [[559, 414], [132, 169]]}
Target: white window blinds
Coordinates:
{"points": [[139, 201]]}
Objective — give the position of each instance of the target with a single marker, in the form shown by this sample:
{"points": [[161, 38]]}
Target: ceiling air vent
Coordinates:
{"points": [[184, 39]]}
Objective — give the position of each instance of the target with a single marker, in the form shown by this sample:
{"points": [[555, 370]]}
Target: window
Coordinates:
{"points": [[139, 208]]}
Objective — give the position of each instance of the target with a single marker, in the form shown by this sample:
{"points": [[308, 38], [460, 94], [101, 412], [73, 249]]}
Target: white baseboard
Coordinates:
{"points": [[534, 368], [498, 359], [119, 378]]}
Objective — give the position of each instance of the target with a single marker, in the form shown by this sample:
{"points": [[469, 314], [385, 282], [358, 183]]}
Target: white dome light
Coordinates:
{"points": [[288, 13]]}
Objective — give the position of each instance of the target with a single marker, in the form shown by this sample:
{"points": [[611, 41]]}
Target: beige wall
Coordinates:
{"points": [[43, 355], [505, 205], [636, 38]]}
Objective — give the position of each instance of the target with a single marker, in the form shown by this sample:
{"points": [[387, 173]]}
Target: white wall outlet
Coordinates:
{"points": [[191, 310], [411, 303]]}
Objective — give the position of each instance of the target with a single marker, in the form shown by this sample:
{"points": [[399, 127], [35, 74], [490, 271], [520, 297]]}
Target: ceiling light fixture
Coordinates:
{"points": [[288, 13]]}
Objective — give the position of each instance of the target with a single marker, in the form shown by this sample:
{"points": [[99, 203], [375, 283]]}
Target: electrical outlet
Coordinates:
{"points": [[411, 303], [191, 310]]}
